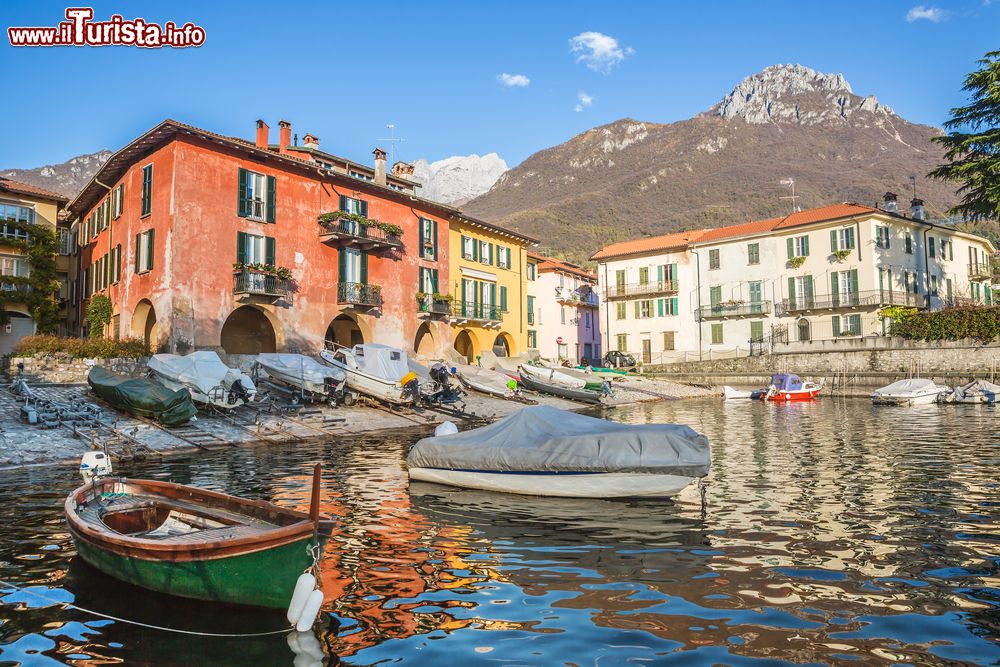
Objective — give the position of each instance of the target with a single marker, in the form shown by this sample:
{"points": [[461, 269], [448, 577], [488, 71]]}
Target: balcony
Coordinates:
{"points": [[361, 295], [248, 283], [979, 271], [964, 302], [577, 297], [869, 299], [349, 233], [641, 289], [433, 307], [466, 311], [734, 310]]}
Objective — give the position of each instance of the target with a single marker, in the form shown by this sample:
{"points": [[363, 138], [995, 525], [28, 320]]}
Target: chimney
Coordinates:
{"points": [[310, 141], [402, 169], [261, 134], [890, 202], [917, 209], [284, 136], [379, 166]]}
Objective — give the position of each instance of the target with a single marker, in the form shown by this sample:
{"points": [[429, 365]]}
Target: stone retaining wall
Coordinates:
{"points": [[63, 369]]}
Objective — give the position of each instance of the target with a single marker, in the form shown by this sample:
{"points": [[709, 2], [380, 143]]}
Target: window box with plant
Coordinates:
{"points": [[359, 229], [841, 255], [796, 262]]}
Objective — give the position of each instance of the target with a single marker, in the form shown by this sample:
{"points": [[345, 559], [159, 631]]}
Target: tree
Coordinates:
{"points": [[973, 144]]}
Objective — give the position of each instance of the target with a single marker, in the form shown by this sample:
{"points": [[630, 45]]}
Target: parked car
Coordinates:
{"points": [[616, 359]]}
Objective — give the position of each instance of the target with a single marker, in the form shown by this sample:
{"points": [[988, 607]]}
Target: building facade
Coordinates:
{"points": [[820, 274], [565, 311]]}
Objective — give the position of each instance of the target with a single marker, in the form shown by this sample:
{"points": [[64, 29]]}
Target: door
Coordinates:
{"points": [[468, 297], [588, 352], [647, 351], [715, 298], [803, 329], [756, 296]]}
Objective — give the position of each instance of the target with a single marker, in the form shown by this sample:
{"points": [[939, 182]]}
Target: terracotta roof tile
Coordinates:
{"points": [[546, 264], [650, 244], [9, 185]]}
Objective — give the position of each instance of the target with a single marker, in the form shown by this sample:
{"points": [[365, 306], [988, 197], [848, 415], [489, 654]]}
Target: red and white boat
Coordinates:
{"points": [[790, 387]]}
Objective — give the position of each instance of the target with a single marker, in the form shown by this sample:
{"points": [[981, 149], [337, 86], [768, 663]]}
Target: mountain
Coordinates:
{"points": [[67, 178], [456, 180], [632, 178]]}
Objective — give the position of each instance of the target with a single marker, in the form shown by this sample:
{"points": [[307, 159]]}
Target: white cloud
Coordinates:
{"points": [[583, 100], [513, 80], [598, 51], [922, 13]]}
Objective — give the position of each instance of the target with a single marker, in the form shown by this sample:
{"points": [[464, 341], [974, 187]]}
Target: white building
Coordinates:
{"points": [[563, 310], [820, 274]]}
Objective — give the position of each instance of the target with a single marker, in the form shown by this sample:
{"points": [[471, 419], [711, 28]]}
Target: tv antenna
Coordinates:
{"points": [[392, 141], [791, 184]]}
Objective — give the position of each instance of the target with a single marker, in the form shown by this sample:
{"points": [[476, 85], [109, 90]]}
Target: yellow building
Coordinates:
{"points": [[22, 206], [487, 272]]}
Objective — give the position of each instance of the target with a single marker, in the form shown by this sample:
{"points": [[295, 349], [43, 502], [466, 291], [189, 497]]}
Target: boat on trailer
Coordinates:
{"points": [[790, 387], [313, 379], [195, 543], [203, 373], [376, 370], [913, 391]]}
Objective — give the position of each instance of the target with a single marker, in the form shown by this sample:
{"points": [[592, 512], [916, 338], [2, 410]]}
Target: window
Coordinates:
{"points": [[622, 341], [257, 196], [800, 291], [643, 309], [842, 239], [503, 299], [531, 309], [352, 266], [116, 263], [147, 190], [428, 280], [586, 319], [756, 331], [798, 246], [668, 341], [530, 270], [532, 338], [666, 307], [468, 247], [908, 243], [753, 253], [713, 259], [934, 284], [64, 241], [620, 314], [361, 177], [643, 275], [117, 199], [503, 257], [951, 250], [849, 325], [930, 246], [562, 314], [620, 280], [717, 334], [144, 251], [254, 249], [882, 236], [15, 266], [428, 238], [485, 252], [15, 213]]}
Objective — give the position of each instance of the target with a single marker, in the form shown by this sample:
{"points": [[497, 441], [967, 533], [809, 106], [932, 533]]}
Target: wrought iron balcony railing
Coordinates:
{"points": [[866, 299], [576, 296], [434, 307], [360, 294], [641, 289], [476, 312], [256, 283], [740, 309], [980, 271], [350, 233]]}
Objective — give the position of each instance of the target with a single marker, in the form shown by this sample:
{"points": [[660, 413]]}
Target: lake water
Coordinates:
{"points": [[831, 532]]}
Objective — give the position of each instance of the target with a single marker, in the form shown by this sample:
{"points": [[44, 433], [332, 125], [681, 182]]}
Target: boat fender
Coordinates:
{"points": [[310, 611], [445, 428], [303, 587]]}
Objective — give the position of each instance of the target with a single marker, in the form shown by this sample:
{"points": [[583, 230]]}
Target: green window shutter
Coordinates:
{"points": [[147, 189], [809, 287], [137, 238], [856, 324], [836, 325], [854, 281], [343, 203], [659, 274], [364, 268], [493, 297], [805, 246], [434, 280], [241, 247], [659, 307], [491, 255], [341, 264], [118, 261], [791, 247], [420, 228], [833, 240], [272, 185], [150, 247], [715, 295], [636, 310], [673, 305], [269, 250], [835, 286], [364, 208], [503, 298], [475, 249], [791, 290], [434, 239], [242, 207]]}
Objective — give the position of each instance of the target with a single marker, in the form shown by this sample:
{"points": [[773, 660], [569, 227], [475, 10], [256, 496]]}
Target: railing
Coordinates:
{"points": [[742, 309], [348, 230], [964, 301], [15, 287], [640, 289], [871, 298], [979, 271], [440, 307], [531, 317], [475, 311], [261, 284], [360, 294], [584, 298]]}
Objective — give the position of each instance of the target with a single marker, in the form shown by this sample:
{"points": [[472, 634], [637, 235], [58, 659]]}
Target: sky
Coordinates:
{"points": [[461, 78]]}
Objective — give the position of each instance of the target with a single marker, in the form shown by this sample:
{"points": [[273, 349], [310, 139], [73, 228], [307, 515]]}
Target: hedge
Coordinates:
{"points": [[88, 348], [982, 324]]}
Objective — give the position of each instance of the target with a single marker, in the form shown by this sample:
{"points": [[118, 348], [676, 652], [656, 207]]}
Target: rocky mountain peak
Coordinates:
{"points": [[457, 179]]}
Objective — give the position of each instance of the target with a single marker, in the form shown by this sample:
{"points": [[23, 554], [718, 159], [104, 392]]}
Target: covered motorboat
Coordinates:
{"points": [[142, 397], [732, 394], [203, 373], [376, 370], [977, 391], [558, 376], [790, 387], [486, 381], [580, 393], [545, 451], [913, 391], [313, 379]]}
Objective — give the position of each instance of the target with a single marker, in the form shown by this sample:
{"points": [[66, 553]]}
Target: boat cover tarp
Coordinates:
{"points": [[382, 361], [555, 376], [142, 397], [786, 381], [202, 370], [546, 439], [483, 379], [982, 388], [910, 387], [300, 366]]}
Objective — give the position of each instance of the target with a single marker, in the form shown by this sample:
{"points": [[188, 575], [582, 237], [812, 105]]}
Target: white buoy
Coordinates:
{"points": [[445, 428], [303, 587], [310, 611]]}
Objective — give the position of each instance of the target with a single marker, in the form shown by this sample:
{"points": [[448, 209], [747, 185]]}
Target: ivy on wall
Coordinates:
{"points": [[41, 296], [98, 315]]}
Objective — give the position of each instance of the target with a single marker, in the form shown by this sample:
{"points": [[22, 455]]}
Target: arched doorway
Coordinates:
{"points": [[144, 323], [18, 326], [248, 331], [466, 346], [503, 345], [423, 342], [803, 330], [344, 330]]}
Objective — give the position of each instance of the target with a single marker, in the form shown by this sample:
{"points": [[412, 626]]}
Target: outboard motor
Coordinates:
{"points": [[444, 390]]}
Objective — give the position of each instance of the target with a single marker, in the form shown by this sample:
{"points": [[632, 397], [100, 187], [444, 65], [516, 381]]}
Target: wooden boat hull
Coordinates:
{"points": [[582, 395], [565, 485]]}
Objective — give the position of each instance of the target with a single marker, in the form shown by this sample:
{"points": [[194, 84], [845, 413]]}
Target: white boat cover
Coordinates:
{"points": [[555, 376], [202, 370], [977, 388], [299, 365], [381, 361], [546, 439], [483, 379], [910, 388]]}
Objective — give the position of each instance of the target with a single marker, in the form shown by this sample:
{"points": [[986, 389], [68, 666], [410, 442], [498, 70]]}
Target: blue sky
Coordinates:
{"points": [[343, 70]]}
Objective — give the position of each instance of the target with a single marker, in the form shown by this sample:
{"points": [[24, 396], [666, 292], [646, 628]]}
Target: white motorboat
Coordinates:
{"points": [[739, 394], [559, 376], [545, 451], [376, 370], [485, 380], [977, 391], [304, 373], [914, 391], [205, 376]]}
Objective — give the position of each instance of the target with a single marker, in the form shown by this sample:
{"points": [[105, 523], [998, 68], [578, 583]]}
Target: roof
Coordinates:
{"points": [[550, 264], [17, 187], [650, 244], [489, 226]]}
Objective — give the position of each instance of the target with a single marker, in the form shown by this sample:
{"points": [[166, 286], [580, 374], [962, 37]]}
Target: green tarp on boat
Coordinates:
{"points": [[141, 397]]}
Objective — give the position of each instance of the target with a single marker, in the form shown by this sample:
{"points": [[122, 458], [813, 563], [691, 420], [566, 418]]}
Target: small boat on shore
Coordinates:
{"points": [[313, 379], [436, 385], [553, 375], [485, 381], [376, 370], [545, 451], [602, 372], [142, 397], [790, 387], [203, 373], [914, 391], [738, 394], [194, 543], [977, 391], [572, 393]]}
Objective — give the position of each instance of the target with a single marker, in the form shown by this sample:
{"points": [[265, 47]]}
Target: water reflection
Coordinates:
{"points": [[832, 531]]}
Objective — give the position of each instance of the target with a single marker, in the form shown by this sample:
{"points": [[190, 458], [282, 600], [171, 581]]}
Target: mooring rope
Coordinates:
{"points": [[70, 605]]}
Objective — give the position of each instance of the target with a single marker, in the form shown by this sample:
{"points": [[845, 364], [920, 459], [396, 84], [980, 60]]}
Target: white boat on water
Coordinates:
{"points": [[545, 451], [485, 380], [564, 377], [303, 373], [739, 394], [977, 391], [914, 391], [205, 376], [376, 370]]}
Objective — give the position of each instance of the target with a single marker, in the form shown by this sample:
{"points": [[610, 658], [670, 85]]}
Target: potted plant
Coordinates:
{"points": [[841, 255], [796, 262]]}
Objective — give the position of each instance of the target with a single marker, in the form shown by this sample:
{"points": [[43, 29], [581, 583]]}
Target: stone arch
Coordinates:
{"points": [[248, 330], [503, 345], [465, 345], [144, 324], [423, 342], [803, 330], [346, 330]]}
